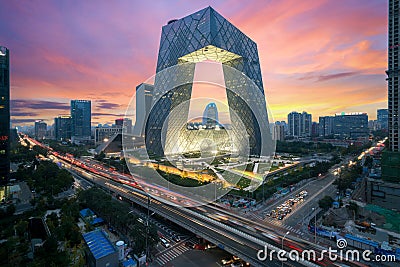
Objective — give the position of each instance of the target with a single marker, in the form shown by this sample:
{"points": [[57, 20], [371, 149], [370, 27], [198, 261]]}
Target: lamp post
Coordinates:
{"points": [[315, 225], [282, 241], [147, 229], [130, 242]]}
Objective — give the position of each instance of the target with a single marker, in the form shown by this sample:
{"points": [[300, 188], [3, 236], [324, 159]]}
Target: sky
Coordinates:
{"points": [[323, 57]]}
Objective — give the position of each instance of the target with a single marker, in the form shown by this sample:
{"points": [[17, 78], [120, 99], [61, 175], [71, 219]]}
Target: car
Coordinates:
{"points": [[235, 258], [165, 242], [237, 264], [226, 261], [176, 238], [210, 246]]}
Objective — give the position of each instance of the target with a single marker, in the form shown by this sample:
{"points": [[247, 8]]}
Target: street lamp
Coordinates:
{"points": [[315, 225], [282, 241], [147, 228]]}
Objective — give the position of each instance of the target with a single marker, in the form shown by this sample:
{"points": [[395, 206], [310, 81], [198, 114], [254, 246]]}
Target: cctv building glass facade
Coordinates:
{"points": [[206, 35]]}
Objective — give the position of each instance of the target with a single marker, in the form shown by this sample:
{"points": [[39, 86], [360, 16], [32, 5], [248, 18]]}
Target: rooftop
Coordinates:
{"points": [[98, 243]]}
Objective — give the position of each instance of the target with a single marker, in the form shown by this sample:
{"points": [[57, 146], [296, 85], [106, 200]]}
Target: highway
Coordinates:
{"points": [[236, 242], [236, 235]]}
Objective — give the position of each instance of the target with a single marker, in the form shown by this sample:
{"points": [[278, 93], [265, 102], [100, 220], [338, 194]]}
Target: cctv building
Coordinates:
{"points": [[203, 36]]}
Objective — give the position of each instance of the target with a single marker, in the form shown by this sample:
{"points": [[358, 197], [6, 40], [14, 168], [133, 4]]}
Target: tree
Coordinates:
{"points": [[10, 210], [325, 203], [21, 228]]}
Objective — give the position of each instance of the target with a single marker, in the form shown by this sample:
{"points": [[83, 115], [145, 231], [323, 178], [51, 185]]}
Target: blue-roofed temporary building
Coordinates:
{"points": [[335, 205], [90, 217], [101, 251], [96, 221], [361, 243], [129, 263], [86, 213]]}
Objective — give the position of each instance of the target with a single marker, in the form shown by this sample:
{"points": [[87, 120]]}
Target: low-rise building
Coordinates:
{"points": [[100, 251]]}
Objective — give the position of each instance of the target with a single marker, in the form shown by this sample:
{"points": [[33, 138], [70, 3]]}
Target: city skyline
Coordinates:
{"points": [[323, 65]]}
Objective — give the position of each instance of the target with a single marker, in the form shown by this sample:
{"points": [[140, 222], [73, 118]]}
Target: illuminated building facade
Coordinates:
{"points": [[4, 115], [205, 35]]}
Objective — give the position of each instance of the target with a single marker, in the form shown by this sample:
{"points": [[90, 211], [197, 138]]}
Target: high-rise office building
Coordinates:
{"points": [[391, 158], [210, 115], [206, 35], [351, 125], [4, 115], [40, 129], [382, 116], [314, 129], [81, 120], [62, 127], [144, 96], [393, 74], [300, 124], [294, 124], [326, 124]]}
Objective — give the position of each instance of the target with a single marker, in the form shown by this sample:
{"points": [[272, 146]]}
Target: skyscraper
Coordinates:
{"points": [[4, 115], [40, 129], [391, 159], [382, 116], [81, 116], [210, 115], [144, 96], [62, 127], [393, 76], [206, 35], [300, 124], [326, 124]]}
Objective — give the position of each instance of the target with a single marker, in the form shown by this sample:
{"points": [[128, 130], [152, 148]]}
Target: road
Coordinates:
{"points": [[238, 236], [236, 242]]}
